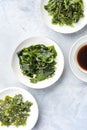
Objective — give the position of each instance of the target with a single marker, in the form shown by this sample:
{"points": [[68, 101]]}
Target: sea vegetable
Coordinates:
{"points": [[14, 111], [37, 62], [65, 12]]}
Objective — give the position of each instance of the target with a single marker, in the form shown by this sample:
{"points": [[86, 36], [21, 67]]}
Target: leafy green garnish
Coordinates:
{"points": [[65, 12], [37, 62], [13, 111]]}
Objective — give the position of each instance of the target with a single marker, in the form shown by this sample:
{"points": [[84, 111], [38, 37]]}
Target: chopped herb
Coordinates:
{"points": [[38, 62], [65, 12], [13, 111]]}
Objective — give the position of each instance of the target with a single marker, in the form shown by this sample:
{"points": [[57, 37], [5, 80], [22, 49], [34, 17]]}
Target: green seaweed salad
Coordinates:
{"points": [[14, 111], [65, 12], [37, 62]]}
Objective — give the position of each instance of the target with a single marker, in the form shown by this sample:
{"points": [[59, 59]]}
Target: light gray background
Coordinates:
{"points": [[63, 106]]}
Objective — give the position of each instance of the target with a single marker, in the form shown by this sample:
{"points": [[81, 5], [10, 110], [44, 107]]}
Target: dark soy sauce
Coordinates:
{"points": [[82, 57]]}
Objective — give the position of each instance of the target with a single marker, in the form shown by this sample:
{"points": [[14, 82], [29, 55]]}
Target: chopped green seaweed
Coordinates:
{"points": [[37, 62], [65, 12], [13, 111]]}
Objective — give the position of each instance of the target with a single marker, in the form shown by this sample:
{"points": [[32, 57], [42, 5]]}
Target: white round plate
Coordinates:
{"points": [[25, 79], [72, 59], [32, 119], [63, 29]]}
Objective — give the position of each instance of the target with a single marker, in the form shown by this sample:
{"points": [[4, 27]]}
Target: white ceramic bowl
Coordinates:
{"points": [[63, 29], [32, 119], [76, 69], [25, 79]]}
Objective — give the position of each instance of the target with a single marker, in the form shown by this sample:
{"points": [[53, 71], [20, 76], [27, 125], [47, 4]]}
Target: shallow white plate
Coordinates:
{"points": [[24, 79], [72, 59], [32, 119], [63, 29]]}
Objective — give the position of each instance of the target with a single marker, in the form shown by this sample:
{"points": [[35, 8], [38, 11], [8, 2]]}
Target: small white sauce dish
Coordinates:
{"points": [[78, 71]]}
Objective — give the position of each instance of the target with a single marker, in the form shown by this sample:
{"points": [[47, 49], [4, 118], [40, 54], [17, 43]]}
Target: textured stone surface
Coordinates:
{"points": [[63, 106]]}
